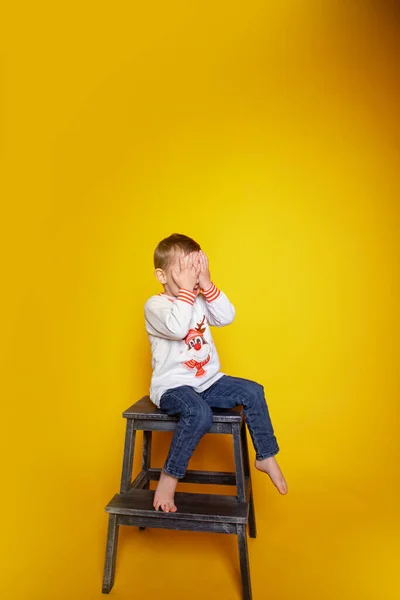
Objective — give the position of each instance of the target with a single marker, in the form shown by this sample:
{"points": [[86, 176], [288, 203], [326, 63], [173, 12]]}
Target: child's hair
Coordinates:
{"points": [[175, 241]]}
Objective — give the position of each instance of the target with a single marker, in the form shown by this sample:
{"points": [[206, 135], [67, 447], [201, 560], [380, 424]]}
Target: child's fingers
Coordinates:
{"points": [[203, 262], [184, 262], [195, 262]]}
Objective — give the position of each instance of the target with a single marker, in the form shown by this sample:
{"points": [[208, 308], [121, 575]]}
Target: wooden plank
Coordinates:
{"points": [[244, 562], [140, 482], [238, 453], [146, 451], [211, 477], [111, 553], [146, 459], [151, 425], [252, 517], [249, 487], [127, 463], [246, 460], [177, 524], [145, 409], [195, 507]]}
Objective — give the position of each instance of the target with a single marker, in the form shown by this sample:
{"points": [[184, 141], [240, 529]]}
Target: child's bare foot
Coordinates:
{"points": [[271, 467], [165, 492]]}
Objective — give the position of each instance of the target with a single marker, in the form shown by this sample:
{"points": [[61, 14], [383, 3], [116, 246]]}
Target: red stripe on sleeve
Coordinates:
{"points": [[186, 296], [212, 293]]}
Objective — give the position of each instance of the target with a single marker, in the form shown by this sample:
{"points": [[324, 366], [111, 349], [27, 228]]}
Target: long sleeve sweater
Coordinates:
{"points": [[183, 351]]}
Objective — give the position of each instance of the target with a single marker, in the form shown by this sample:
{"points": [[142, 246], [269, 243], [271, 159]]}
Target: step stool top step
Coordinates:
{"points": [[145, 409], [193, 507]]}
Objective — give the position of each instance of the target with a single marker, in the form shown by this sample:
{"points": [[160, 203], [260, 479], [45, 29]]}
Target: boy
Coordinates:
{"points": [[187, 381]]}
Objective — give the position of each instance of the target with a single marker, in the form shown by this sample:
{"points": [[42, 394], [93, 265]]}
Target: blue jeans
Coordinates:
{"points": [[195, 418]]}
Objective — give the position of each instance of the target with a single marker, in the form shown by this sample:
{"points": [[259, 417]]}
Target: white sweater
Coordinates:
{"points": [[183, 351]]}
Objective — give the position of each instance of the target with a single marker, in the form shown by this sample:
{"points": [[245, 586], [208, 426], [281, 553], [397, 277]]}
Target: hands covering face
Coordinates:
{"points": [[192, 270]]}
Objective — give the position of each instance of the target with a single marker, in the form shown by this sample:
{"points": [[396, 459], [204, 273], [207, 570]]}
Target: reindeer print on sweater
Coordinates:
{"points": [[198, 349]]}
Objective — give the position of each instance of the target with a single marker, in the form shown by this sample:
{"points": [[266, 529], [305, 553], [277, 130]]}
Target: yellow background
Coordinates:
{"points": [[269, 132]]}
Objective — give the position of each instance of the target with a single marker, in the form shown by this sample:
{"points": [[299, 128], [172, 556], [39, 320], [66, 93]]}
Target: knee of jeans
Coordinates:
{"points": [[204, 417], [256, 392]]}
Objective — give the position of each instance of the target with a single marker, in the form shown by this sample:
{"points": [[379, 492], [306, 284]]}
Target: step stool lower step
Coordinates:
{"points": [[196, 512], [207, 508]]}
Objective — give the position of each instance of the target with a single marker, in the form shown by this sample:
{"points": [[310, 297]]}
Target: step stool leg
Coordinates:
{"points": [[111, 554], [146, 460], [146, 455], [252, 517], [246, 460], [244, 562], [127, 464], [239, 464]]}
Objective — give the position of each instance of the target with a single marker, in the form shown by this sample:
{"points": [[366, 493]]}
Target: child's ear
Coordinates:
{"points": [[160, 275]]}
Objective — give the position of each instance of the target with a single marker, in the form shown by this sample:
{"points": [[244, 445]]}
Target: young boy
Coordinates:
{"points": [[187, 381]]}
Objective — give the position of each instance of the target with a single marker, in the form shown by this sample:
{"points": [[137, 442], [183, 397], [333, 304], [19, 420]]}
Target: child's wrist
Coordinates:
{"points": [[186, 295], [211, 293], [207, 286]]}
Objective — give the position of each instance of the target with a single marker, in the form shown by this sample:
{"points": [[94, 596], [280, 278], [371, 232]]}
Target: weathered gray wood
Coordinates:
{"points": [[245, 448], [211, 477], [252, 517], [140, 482], [146, 452], [145, 409], [150, 425], [237, 449], [194, 507], [196, 512], [176, 524], [244, 562], [247, 472], [127, 463], [146, 459], [111, 553]]}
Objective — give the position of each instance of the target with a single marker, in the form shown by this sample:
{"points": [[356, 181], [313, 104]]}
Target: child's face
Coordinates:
{"points": [[170, 286]]}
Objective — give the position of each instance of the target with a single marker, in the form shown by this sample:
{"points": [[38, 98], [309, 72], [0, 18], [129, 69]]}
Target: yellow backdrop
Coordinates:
{"points": [[268, 132]]}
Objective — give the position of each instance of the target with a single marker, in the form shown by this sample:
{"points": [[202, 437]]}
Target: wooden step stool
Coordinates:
{"points": [[196, 512]]}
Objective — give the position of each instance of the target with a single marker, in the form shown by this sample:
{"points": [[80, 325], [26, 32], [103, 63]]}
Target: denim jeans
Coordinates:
{"points": [[195, 418]]}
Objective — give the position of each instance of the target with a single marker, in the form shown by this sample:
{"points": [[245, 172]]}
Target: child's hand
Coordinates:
{"points": [[186, 272], [204, 275]]}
